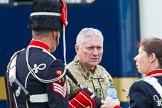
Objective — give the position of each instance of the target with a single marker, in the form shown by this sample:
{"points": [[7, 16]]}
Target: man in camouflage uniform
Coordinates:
{"points": [[85, 66]]}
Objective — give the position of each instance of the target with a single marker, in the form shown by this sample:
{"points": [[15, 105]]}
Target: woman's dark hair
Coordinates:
{"points": [[153, 45]]}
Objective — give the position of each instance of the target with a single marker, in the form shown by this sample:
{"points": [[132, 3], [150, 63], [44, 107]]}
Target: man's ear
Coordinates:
{"points": [[77, 48], [152, 57], [54, 34]]}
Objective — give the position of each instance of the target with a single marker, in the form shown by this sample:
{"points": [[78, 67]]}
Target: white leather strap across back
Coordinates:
{"points": [[154, 82], [38, 98], [12, 70]]}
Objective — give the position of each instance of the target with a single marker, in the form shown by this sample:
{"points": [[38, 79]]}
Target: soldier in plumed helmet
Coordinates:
{"points": [[34, 77]]}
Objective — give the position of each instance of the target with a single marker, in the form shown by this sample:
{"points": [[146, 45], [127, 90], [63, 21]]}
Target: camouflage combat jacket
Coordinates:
{"points": [[98, 82]]}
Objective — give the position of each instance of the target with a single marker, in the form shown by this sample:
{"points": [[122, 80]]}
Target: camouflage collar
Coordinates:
{"points": [[87, 73]]}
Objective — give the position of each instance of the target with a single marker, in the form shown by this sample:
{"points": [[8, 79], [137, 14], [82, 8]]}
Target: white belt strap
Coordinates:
{"points": [[38, 98], [154, 82]]}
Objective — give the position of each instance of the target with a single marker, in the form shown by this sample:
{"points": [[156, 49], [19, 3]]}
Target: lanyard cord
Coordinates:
{"points": [[35, 70]]}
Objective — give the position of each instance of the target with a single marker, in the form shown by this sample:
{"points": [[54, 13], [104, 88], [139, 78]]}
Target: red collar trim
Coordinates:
{"points": [[39, 44], [154, 72]]}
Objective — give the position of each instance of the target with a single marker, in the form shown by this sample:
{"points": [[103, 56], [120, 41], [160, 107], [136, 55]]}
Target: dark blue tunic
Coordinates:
{"points": [[45, 66], [143, 95]]}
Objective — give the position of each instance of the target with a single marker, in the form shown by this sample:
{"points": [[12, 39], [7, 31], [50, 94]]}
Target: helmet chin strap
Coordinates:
{"points": [[64, 45]]}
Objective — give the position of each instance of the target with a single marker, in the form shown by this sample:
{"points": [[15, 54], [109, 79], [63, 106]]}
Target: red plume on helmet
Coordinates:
{"points": [[48, 15], [64, 13]]}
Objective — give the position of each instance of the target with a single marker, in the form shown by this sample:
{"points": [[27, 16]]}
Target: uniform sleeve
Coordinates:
{"points": [[139, 96], [73, 89], [57, 94], [8, 92]]}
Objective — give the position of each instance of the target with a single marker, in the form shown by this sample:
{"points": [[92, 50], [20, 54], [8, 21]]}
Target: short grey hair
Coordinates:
{"points": [[88, 32]]}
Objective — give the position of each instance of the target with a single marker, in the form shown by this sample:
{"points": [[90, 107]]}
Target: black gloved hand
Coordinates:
{"points": [[96, 99]]}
